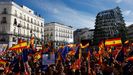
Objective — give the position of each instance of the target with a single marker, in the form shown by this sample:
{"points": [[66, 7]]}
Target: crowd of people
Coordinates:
{"points": [[108, 63], [81, 61]]}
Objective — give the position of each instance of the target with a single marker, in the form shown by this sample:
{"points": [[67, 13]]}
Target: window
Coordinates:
{"points": [[27, 26], [24, 17], [34, 28], [56, 34], [31, 20], [37, 29], [34, 21], [15, 21], [51, 34], [31, 27], [24, 31], [15, 12], [4, 11], [14, 39], [21, 15], [20, 23], [14, 30], [19, 31], [28, 19], [3, 21], [41, 30], [38, 22], [41, 24], [24, 25], [27, 32]]}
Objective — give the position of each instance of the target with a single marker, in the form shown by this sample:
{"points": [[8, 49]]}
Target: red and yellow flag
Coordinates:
{"points": [[101, 47], [37, 56], [130, 58], [84, 45], [20, 46], [76, 64], [2, 61], [59, 57], [20, 40], [23, 44], [113, 42], [72, 52], [32, 42]]}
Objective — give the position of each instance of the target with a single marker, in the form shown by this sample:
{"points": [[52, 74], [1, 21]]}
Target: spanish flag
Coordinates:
{"points": [[37, 56], [32, 42], [20, 40], [72, 52], [20, 46], [2, 61], [59, 57], [84, 45], [101, 47], [76, 64], [23, 44], [113, 42], [80, 53], [130, 58]]}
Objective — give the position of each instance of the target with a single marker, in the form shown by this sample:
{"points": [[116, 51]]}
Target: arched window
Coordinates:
{"points": [[15, 21], [4, 11], [14, 30], [3, 21]]}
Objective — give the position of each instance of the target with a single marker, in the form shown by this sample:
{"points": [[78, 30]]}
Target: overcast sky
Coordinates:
{"points": [[78, 13]]}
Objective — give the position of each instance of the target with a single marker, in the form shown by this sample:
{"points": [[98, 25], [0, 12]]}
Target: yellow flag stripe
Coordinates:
{"points": [[113, 42]]}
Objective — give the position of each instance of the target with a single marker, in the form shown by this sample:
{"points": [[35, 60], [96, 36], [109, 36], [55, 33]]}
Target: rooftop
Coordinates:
{"points": [[130, 26], [58, 23], [22, 6], [109, 10]]}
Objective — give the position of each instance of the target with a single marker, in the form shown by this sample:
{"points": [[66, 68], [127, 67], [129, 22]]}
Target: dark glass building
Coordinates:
{"points": [[109, 24]]}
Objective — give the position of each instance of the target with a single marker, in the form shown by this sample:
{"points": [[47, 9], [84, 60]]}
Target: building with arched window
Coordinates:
{"points": [[18, 21], [59, 33]]}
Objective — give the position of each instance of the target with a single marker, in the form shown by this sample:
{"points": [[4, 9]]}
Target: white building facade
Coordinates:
{"points": [[130, 32], [59, 33], [83, 34], [19, 22]]}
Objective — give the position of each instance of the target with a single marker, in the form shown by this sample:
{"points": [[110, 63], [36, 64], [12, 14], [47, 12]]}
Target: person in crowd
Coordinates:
{"points": [[7, 70], [37, 69], [61, 70], [109, 65], [1, 69]]}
